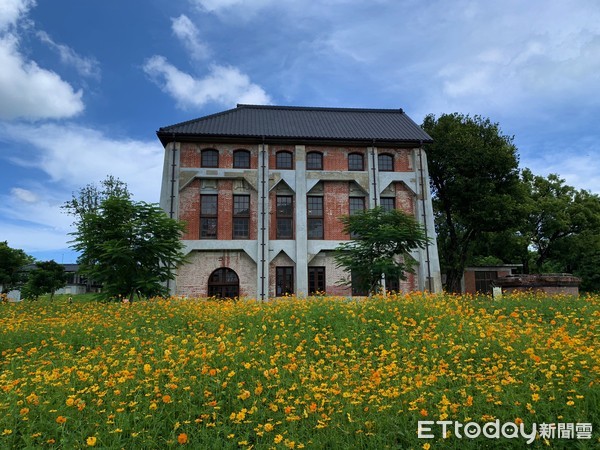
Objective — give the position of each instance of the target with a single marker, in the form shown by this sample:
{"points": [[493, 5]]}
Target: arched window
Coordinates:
{"points": [[241, 159], [314, 161], [284, 160], [356, 161], [224, 283], [386, 162], [210, 158]]}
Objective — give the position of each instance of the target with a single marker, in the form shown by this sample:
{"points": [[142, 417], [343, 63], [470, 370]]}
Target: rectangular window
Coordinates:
{"points": [[314, 207], [284, 280], [358, 287], [356, 161], [208, 216], [316, 280], [285, 217], [484, 280], [357, 204], [388, 203], [241, 216]]}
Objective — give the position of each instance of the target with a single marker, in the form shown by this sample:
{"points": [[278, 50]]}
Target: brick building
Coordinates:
{"points": [[261, 189]]}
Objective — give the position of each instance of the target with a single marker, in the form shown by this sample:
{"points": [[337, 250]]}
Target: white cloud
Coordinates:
{"points": [[87, 67], [74, 156], [188, 34], [224, 85], [28, 91], [12, 10], [24, 195]]}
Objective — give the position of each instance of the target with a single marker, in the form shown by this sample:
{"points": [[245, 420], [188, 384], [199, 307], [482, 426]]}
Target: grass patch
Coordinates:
{"points": [[294, 373]]}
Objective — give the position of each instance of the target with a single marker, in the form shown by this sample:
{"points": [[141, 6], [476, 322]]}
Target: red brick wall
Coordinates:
{"points": [[190, 154], [189, 210], [335, 203], [336, 158]]}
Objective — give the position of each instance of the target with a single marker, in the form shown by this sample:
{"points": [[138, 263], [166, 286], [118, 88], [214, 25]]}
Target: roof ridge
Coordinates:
{"points": [[319, 108]]}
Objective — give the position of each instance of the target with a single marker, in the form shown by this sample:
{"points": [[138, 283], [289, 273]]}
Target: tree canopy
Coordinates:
{"points": [[382, 245], [129, 247], [12, 261], [474, 176], [46, 277]]}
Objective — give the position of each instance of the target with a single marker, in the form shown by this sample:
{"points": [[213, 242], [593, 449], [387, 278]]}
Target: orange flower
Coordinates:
{"points": [[166, 398], [182, 438], [61, 419], [423, 412]]}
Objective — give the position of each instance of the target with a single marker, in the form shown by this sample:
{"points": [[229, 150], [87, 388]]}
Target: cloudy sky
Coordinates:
{"points": [[84, 85]]}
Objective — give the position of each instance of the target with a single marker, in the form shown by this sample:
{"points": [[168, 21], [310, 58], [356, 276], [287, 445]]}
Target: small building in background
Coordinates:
{"points": [[480, 280]]}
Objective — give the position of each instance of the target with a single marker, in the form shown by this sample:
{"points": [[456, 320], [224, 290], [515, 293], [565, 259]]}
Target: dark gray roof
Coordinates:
{"points": [[300, 123]]}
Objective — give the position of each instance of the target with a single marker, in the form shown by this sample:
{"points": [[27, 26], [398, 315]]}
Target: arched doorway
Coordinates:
{"points": [[223, 283]]}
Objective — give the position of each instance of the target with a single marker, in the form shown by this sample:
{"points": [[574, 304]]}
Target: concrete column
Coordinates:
{"points": [[262, 219], [301, 223], [373, 172], [169, 192], [429, 263]]}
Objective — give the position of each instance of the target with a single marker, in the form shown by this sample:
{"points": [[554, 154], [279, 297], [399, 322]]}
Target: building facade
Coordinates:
{"points": [[261, 190]]}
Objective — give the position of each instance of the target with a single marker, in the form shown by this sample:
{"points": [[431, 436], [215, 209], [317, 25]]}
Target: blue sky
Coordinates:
{"points": [[85, 85]]}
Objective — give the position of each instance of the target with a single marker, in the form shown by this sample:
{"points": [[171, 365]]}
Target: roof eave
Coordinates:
{"points": [[166, 137]]}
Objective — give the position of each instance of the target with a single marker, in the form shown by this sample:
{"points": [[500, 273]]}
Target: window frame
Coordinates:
{"points": [[279, 164], [309, 163], [315, 215], [315, 273], [209, 217], [483, 282], [387, 157], [216, 288], [362, 162], [239, 152], [392, 199], [284, 280], [287, 218], [204, 156], [241, 217]]}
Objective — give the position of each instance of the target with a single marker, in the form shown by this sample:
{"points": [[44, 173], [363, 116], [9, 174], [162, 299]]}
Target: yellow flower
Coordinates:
{"points": [[278, 439], [426, 446], [268, 427], [91, 441]]}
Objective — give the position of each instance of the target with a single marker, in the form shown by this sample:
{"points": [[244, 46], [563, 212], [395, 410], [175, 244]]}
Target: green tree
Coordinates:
{"points": [[474, 175], [557, 212], [90, 197], [46, 277], [129, 247], [382, 245], [12, 261]]}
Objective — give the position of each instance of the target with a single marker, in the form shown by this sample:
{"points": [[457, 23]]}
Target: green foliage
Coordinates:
{"points": [[474, 176], [129, 247], [557, 214], [383, 244], [12, 262], [46, 278], [90, 197]]}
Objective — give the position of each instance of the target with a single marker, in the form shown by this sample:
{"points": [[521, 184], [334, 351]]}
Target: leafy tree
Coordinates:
{"points": [[12, 262], [473, 169], [130, 247], [557, 211], [47, 277], [382, 245], [90, 197]]}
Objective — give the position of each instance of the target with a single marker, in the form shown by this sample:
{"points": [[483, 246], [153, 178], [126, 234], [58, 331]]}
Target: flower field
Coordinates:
{"points": [[326, 373]]}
